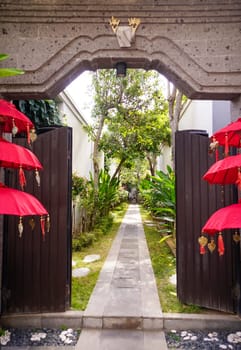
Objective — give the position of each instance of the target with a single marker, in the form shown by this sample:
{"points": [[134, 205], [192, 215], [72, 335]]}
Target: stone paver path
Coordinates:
{"points": [[124, 311]]}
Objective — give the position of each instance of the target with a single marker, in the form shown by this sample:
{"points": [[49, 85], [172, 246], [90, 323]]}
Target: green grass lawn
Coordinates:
{"points": [[82, 287], [164, 266]]}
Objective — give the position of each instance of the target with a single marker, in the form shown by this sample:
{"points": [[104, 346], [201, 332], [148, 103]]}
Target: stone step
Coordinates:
{"points": [[116, 322]]}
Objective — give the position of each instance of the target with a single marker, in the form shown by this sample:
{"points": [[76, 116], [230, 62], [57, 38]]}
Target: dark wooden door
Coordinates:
{"points": [[37, 273], [209, 280]]}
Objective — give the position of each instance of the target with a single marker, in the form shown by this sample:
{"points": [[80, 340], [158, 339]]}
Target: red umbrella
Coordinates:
{"points": [[225, 218], [230, 135], [12, 120], [15, 202], [225, 171], [14, 156]]}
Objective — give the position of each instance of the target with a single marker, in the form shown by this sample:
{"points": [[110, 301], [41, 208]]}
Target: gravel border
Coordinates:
{"points": [[41, 337], [205, 340]]}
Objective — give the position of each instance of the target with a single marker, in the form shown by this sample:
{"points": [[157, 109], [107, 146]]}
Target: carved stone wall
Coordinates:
{"points": [[195, 43]]}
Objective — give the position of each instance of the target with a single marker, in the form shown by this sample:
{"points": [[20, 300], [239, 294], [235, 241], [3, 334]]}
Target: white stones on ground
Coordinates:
{"points": [[80, 272], [187, 336], [5, 338], [38, 336], [234, 338], [173, 331], [66, 336], [183, 333], [74, 263], [223, 346], [91, 258], [212, 337], [173, 279]]}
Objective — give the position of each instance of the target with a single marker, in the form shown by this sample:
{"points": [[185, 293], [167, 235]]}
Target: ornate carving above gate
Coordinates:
{"points": [[197, 45]]}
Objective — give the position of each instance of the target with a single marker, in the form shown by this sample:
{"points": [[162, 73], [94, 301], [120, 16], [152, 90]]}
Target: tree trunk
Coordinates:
{"points": [[118, 169], [96, 151], [174, 108], [152, 164]]}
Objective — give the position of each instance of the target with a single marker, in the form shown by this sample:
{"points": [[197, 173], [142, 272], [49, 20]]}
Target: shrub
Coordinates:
{"points": [[82, 241]]}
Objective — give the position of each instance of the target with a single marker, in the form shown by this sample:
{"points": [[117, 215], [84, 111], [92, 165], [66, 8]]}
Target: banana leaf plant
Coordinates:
{"points": [[159, 197]]}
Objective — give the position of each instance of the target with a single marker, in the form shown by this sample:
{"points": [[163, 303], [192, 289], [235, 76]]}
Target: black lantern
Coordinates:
{"points": [[120, 69]]}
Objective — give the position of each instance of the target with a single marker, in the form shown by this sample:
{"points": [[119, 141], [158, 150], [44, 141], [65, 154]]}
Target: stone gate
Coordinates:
{"points": [[194, 43]]}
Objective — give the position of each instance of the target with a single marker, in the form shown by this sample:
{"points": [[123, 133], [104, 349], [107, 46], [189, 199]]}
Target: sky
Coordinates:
{"points": [[80, 91]]}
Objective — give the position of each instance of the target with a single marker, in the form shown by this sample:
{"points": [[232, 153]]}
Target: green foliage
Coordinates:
{"points": [[96, 200], [158, 193], [164, 266], [78, 186], [42, 113], [85, 239], [107, 193], [8, 72], [132, 112]]}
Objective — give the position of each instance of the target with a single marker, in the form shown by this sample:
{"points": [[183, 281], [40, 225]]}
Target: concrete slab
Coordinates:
{"points": [[126, 287], [91, 258], [121, 339], [80, 272]]}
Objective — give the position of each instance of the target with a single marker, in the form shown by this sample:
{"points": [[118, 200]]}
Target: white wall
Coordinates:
{"points": [[164, 159], [82, 146], [198, 115]]}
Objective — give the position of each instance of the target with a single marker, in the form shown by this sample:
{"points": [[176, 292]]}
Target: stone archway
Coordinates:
{"points": [[196, 44]]}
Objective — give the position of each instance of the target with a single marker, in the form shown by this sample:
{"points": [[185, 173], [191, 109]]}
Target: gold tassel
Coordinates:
{"points": [[48, 223], [211, 245], [37, 177], [20, 227]]}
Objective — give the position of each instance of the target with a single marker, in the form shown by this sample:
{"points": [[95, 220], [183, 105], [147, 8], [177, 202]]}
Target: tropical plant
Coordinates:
{"points": [[158, 193], [8, 72], [96, 201], [42, 113], [106, 195]]}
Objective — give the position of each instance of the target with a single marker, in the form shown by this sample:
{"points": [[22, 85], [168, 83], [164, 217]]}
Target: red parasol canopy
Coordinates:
{"points": [[225, 218], [14, 156], [225, 171], [12, 120], [230, 135], [15, 202]]}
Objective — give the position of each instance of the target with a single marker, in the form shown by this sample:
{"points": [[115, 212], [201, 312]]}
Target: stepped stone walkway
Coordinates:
{"points": [[124, 310]]}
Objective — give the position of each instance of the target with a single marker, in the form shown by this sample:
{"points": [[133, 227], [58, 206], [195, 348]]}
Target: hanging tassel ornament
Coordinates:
{"points": [[32, 223], [14, 129], [20, 226], [202, 243], [33, 135], [213, 147], [37, 177], [226, 145], [42, 223], [221, 248], [236, 237], [22, 179], [48, 224]]}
